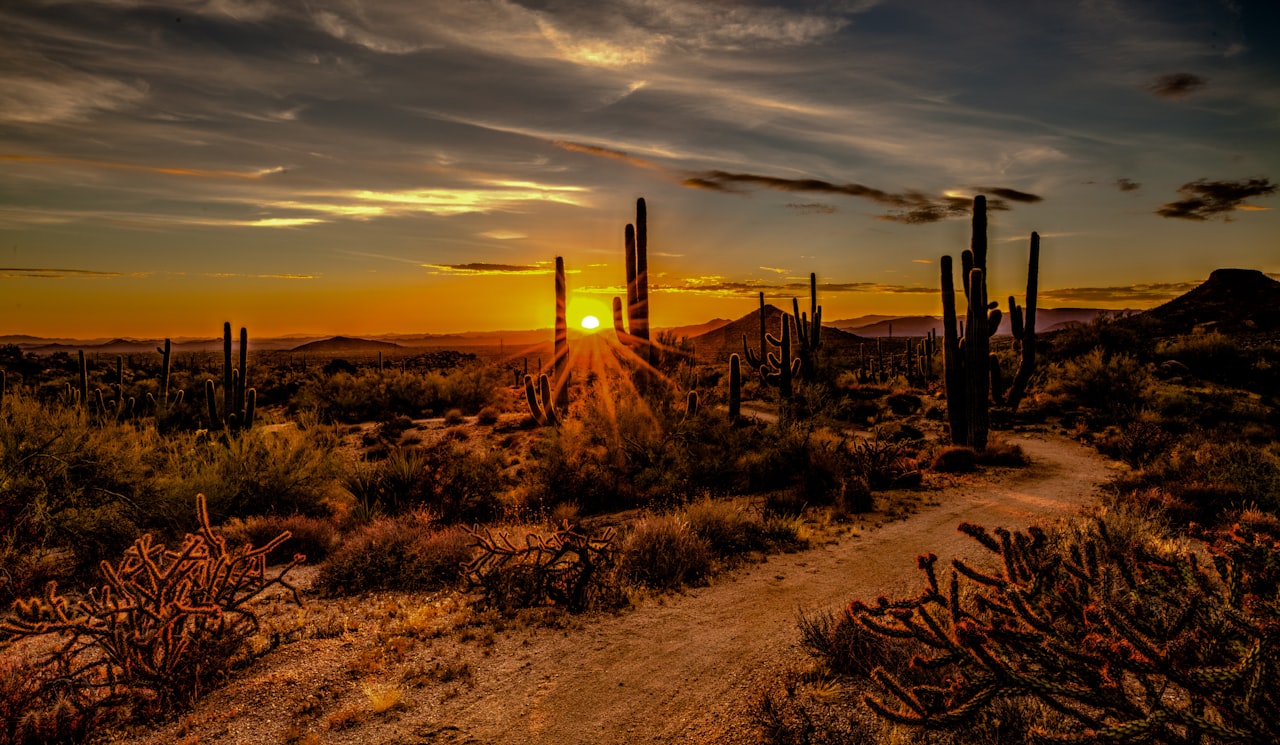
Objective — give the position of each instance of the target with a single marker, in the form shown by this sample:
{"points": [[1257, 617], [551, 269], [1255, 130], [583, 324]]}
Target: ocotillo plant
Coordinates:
{"points": [[636, 332], [239, 402]]}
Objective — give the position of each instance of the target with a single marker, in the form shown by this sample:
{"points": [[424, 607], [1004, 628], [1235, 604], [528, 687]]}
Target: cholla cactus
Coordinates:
{"points": [[1127, 642], [164, 625], [563, 568]]}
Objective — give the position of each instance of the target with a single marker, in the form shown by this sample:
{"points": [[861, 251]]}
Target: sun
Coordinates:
{"points": [[590, 323]]}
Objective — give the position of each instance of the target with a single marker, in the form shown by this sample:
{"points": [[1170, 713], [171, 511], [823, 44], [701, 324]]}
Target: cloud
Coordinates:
{"points": [[719, 286], [1013, 195], [1124, 184], [1205, 200], [605, 152], [1176, 86], [237, 275], [163, 170], [812, 208], [910, 207], [44, 273], [1137, 293], [503, 235], [482, 269]]}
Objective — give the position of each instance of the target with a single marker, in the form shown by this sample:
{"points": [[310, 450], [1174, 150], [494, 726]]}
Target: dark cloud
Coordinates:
{"points": [[1136, 293], [909, 207], [717, 286], [1204, 200], [1013, 195], [1177, 86], [604, 152], [1124, 184], [14, 272], [482, 268], [812, 208]]}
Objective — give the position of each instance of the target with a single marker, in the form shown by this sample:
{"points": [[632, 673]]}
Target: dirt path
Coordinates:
{"points": [[687, 668]]}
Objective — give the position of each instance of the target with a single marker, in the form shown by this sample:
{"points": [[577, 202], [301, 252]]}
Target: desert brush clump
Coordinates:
{"points": [[163, 629], [406, 552], [663, 552], [568, 567], [1118, 635]]}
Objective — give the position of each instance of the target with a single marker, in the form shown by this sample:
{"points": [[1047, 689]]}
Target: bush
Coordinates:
{"points": [[1113, 385], [313, 537], [955, 459], [567, 568], [664, 553], [407, 552]]}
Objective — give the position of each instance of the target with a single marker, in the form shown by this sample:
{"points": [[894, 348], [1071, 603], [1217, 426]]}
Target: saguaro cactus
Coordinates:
{"points": [[754, 359], [541, 402], [782, 367], [239, 402], [636, 332], [967, 350], [735, 388], [809, 329], [560, 363], [1025, 330]]}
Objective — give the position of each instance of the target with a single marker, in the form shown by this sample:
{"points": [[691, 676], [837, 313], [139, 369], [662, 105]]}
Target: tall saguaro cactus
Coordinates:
{"points": [[239, 402], [809, 329], [1024, 330], [636, 332], [754, 359], [560, 363], [967, 349], [781, 368]]}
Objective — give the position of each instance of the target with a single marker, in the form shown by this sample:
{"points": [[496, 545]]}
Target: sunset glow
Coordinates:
{"points": [[293, 166], [590, 323]]}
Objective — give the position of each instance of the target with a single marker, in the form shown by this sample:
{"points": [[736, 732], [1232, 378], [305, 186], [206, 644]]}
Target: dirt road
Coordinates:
{"points": [[685, 670], [681, 669]]}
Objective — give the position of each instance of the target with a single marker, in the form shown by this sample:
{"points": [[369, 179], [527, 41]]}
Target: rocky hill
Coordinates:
{"points": [[1241, 301]]}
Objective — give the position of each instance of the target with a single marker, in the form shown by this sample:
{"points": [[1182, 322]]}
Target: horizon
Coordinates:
{"points": [[326, 169]]}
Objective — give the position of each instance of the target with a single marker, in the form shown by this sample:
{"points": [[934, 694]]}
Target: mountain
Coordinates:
{"points": [[1231, 301], [1047, 319], [345, 345], [725, 340], [859, 321]]}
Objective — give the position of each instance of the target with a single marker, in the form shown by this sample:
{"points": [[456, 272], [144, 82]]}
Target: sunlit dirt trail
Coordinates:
{"points": [[686, 668]]}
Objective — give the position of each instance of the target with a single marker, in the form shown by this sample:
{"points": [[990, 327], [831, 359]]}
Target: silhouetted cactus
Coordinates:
{"points": [[967, 349], [755, 359], [808, 330], [560, 362], [541, 403], [781, 368], [735, 389], [636, 333], [1024, 330], [1125, 642], [239, 402], [165, 402]]}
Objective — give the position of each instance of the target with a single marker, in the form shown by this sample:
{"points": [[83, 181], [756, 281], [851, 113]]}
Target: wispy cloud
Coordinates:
{"points": [[1205, 200], [1177, 85], [605, 152], [1124, 184], [162, 170], [715, 285], [910, 207], [482, 269], [812, 208], [236, 275], [49, 273], [1136, 293]]}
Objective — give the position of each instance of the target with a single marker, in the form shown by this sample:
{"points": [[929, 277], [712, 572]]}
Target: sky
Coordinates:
{"points": [[403, 166]]}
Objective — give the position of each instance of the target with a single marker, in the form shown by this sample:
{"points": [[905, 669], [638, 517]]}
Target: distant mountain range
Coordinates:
{"points": [[1231, 300]]}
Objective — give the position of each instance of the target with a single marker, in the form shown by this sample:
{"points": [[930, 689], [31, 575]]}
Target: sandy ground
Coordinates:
{"points": [[684, 668]]}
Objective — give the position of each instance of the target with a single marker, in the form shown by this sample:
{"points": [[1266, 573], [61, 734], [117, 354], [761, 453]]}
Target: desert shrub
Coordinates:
{"points": [[902, 403], [1137, 443], [1216, 475], [454, 417], [663, 552], [955, 459], [846, 647], [880, 461], [407, 552], [488, 416], [369, 395], [166, 626], [1000, 452], [456, 483], [1112, 385], [569, 568], [313, 537], [259, 472], [1092, 622], [730, 530]]}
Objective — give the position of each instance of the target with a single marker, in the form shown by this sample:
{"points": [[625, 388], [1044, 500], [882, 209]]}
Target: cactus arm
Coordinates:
{"points": [[531, 396], [735, 388], [1027, 363]]}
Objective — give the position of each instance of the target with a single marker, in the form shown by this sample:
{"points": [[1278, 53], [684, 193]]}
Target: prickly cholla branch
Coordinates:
{"points": [[164, 625], [559, 568], [1126, 642]]}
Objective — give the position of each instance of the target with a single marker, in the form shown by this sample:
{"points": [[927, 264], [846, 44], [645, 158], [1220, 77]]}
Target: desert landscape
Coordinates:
{"points": [[579, 372]]}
